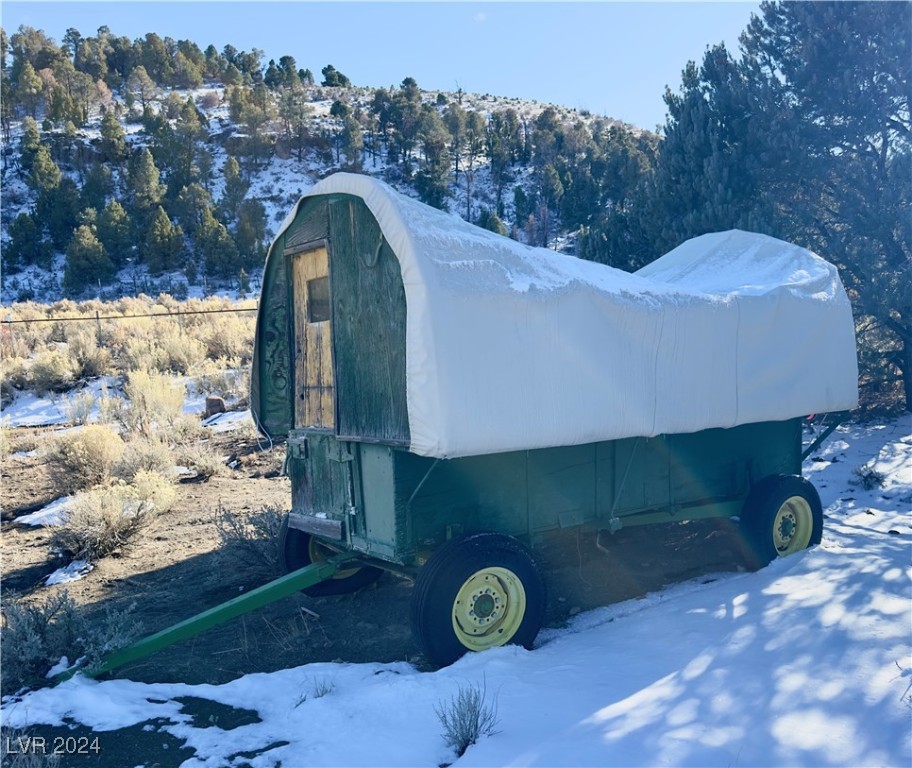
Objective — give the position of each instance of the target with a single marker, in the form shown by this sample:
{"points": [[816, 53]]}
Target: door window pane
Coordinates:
{"points": [[318, 300]]}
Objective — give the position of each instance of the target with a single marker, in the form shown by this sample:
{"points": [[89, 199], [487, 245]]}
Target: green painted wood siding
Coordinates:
{"points": [[368, 322]]}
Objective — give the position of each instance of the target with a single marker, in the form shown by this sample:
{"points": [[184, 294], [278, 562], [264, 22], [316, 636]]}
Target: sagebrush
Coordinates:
{"points": [[37, 635], [85, 457], [102, 520], [467, 717], [254, 536]]}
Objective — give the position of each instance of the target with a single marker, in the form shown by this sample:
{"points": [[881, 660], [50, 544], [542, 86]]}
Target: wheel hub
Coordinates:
{"points": [[792, 526], [488, 609]]}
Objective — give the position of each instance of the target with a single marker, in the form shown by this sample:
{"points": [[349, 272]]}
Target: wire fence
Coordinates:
{"points": [[97, 317]]}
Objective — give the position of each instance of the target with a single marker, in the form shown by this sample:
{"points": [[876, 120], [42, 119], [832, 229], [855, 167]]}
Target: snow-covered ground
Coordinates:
{"points": [[806, 662]]}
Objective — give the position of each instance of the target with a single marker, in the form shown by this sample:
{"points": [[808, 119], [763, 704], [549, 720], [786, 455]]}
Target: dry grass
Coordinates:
{"points": [[82, 347]]}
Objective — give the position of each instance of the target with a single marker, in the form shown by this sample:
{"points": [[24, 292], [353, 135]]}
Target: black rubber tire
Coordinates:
{"points": [[294, 553], [763, 504], [449, 569]]}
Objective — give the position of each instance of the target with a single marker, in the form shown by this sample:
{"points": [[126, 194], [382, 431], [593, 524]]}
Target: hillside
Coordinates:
{"points": [[203, 175]]}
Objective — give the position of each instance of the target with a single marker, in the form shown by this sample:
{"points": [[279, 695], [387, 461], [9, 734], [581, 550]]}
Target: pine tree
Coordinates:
{"points": [[250, 233], [295, 111], [455, 119], [218, 249], [97, 187], [29, 143], [332, 78], [28, 89], [352, 141], [433, 174], [190, 208], [164, 243], [58, 210], [45, 175], [141, 86], [113, 139], [235, 190], [115, 232], [143, 185], [26, 244], [86, 261]]}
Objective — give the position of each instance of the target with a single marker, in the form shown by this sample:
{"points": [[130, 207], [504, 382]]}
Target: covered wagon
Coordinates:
{"points": [[448, 395]]}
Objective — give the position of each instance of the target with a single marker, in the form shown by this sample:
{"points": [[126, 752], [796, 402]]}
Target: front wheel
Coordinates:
{"points": [[477, 592], [782, 515], [298, 549]]}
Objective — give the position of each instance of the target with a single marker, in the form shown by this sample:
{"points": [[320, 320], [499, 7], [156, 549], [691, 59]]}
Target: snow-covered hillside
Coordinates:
{"points": [[806, 662], [277, 183]]}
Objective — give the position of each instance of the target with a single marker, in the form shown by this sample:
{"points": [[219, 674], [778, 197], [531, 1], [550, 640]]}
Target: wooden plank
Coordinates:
{"points": [[314, 400], [299, 301], [327, 402]]}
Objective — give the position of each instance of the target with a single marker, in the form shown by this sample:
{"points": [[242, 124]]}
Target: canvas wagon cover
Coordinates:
{"points": [[510, 347]]}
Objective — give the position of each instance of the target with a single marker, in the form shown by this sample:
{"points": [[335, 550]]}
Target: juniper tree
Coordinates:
{"points": [[113, 139], [164, 243], [86, 261], [115, 232]]}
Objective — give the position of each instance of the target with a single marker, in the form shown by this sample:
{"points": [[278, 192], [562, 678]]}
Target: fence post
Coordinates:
{"points": [[98, 328]]}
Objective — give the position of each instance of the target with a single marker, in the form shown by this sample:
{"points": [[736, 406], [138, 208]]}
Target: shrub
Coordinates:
{"points": [[88, 358], [78, 406], [222, 377], [51, 371], [14, 374], [102, 520], [156, 400], [204, 461], [868, 477], [37, 635], [157, 492], [144, 453], [83, 458], [254, 536], [163, 352], [467, 717]]}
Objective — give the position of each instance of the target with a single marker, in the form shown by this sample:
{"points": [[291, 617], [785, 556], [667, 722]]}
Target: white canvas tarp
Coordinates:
{"points": [[510, 347]]}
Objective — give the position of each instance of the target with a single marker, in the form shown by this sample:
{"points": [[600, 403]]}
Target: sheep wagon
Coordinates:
{"points": [[448, 395]]}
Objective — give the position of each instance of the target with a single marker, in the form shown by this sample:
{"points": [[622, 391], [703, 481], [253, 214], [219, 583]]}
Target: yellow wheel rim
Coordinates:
{"points": [[489, 608], [318, 553], [792, 526]]}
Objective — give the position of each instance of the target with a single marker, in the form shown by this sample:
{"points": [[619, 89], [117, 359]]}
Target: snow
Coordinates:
{"points": [[229, 421], [30, 410], [50, 515], [806, 662], [71, 572]]}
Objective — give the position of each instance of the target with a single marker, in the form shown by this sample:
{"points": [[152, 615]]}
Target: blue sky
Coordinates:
{"points": [[611, 58]]}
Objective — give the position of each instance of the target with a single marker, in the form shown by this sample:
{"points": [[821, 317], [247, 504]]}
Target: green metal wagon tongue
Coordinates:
{"points": [[256, 598]]}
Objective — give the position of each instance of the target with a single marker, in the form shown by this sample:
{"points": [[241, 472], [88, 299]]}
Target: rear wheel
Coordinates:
{"points": [[298, 549], [477, 592], [782, 515]]}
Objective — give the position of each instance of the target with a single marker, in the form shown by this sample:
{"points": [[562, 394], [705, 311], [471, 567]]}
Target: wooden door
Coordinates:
{"points": [[314, 391]]}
